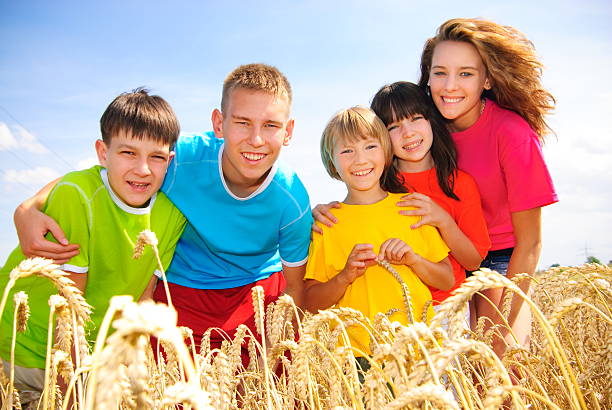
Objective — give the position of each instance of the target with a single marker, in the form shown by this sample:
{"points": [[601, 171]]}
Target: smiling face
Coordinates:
{"points": [[135, 167], [411, 139], [457, 79], [360, 165], [255, 126]]}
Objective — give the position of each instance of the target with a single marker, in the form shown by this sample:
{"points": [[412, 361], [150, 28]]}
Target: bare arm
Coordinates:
{"points": [[294, 276], [527, 227], [461, 247], [32, 225], [80, 281], [148, 292], [321, 295], [436, 274]]}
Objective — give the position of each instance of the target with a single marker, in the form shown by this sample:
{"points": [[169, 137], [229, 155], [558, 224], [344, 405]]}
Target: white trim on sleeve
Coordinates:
{"points": [[74, 269], [294, 264]]}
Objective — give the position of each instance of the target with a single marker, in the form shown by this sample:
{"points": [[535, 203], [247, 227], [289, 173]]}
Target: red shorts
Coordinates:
{"points": [[226, 309]]}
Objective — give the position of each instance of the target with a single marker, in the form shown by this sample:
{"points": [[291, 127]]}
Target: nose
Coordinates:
{"points": [[360, 156], [407, 129], [255, 139], [142, 167], [450, 83]]}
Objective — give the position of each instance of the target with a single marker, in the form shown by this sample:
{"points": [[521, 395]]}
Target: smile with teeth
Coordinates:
{"points": [[412, 146], [139, 186], [253, 156], [451, 100], [362, 172]]}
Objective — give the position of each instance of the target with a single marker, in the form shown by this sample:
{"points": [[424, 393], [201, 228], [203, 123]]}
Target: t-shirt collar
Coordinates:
{"points": [[127, 208], [259, 189]]}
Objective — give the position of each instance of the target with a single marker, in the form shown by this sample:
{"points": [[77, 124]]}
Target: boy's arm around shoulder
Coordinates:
{"points": [[32, 225]]}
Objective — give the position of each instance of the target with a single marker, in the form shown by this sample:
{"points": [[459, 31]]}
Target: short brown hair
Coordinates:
{"points": [[353, 124], [256, 77], [142, 116]]}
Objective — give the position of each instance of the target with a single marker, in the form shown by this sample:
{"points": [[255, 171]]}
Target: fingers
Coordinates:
{"points": [[322, 214], [362, 252], [57, 232], [317, 229], [393, 250], [59, 256]]}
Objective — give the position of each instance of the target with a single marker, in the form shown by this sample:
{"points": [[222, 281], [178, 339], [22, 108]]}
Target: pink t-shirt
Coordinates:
{"points": [[504, 156]]}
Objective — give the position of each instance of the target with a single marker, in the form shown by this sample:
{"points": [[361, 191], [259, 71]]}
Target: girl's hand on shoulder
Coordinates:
{"points": [[430, 212], [397, 252], [321, 213], [362, 256]]}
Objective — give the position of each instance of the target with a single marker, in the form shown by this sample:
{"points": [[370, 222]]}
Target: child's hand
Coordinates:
{"points": [[362, 256], [322, 214], [397, 252], [430, 212]]}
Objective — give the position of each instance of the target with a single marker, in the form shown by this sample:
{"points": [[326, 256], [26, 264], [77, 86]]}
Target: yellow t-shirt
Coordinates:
{"points": [[377, 290]]}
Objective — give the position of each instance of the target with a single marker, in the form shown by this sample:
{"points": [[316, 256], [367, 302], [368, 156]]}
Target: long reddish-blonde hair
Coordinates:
{"points": [[511, 63]]}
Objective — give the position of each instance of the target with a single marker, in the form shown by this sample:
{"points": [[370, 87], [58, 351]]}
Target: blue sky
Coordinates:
{"points": [[62, 62]]}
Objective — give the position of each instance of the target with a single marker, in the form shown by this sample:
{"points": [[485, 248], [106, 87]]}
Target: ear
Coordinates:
{"points": [[101, 150], [288, 132], [487, 84], [217, 122], [172, 154]]}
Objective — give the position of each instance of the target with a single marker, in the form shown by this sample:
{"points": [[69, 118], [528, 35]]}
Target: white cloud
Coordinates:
{"points": [[20, 139], [7, 140], [87, 163], [37, 177], [29, 142]]}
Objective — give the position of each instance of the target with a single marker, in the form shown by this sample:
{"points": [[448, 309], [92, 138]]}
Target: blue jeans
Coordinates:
{"points": [[498, 260]]}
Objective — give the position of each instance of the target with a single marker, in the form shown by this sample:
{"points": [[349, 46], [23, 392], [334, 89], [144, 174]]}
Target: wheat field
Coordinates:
{"points": [[567, 366]]}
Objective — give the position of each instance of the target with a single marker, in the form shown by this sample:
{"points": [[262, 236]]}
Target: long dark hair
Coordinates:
{"points": [[400, 100]]}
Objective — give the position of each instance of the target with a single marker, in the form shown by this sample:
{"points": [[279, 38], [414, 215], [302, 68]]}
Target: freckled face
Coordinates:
{"points": [[457, 79]]}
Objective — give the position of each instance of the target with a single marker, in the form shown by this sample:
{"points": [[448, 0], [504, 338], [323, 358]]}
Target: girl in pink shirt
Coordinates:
{"points": [[484, 78]]}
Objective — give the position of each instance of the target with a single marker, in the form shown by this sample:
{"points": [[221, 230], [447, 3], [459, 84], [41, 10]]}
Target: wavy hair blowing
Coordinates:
{"points": [[353, 124], [511, 63]]}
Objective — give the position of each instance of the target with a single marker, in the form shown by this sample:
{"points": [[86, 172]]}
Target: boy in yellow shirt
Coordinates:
{"points": [[343, 267]]}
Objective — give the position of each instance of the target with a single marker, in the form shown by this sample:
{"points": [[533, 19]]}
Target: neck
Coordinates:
{"points": [[468, 119], [239, 184], [371, 196], [412, 167]]}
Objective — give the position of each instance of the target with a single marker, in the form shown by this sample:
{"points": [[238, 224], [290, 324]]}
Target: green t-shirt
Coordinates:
{"points": [[106, 229]]}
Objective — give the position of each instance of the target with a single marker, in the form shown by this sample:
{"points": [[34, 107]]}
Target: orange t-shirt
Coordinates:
{"points": [[467, 213]]}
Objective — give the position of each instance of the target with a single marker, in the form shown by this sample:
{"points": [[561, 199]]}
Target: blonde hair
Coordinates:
{"points": [[513, 68], [257, 77], [353, 124]]}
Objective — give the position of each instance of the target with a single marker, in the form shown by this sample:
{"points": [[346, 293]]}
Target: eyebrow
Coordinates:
{"points": [[238, 117], [467, 67], [134, 148]]}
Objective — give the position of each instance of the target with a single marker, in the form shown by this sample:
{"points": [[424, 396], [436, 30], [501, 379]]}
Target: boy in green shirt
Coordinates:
{"points": [[103, 209]]}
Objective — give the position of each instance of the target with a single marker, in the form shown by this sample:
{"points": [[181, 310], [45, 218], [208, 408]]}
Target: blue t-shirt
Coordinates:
{"points": [[231, 241]]}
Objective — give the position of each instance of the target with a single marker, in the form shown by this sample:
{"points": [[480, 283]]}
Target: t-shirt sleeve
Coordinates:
{"points": [[316, 268], [177, 223], [527, 178], [294, 236], [436, 249], [70, 209], [470, 218], [188, 148]]}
